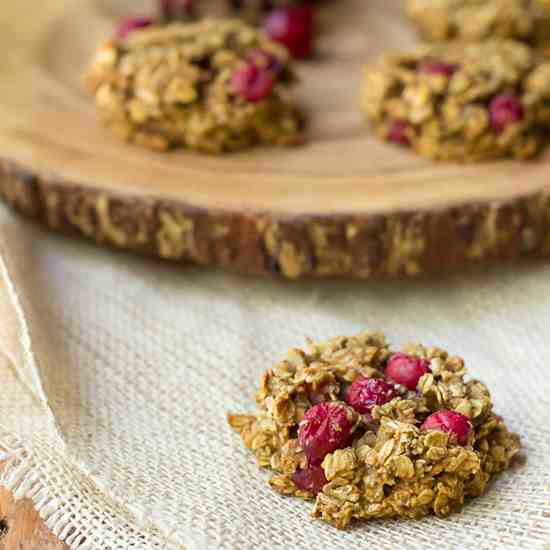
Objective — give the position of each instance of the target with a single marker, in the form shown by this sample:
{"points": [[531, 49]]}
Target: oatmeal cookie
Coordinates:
{"points": [[214, 86], [370, 433], [475, 19], [460, 101]]}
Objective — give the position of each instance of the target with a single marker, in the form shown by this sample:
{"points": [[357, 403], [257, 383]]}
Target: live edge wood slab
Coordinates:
{"points": [[343, 205], [21, 527]]}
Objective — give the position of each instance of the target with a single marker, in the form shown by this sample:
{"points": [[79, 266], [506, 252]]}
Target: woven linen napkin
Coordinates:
{"points": [[117, 373]]}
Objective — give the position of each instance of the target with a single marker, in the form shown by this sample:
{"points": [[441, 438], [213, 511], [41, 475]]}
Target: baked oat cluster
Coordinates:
{"points": [[370, 433], [214, 85], [471, 20], [475, 19], [461, 101]]}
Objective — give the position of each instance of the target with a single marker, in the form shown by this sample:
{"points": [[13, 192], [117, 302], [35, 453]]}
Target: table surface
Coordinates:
{"points": [[345, 204]]}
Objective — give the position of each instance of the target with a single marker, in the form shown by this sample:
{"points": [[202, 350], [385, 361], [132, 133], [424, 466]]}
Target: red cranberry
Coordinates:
{"points": [[176, 9], [325, 428], [312, 479], [406, 370], [365, 393], [399, 132], [128, 25], [293, 27], [505, 109], [438, 67], [252, 83], [451, 422]]}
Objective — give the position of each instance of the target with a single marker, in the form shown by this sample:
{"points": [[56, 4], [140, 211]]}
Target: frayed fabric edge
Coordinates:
{"points": [[20, 477]]}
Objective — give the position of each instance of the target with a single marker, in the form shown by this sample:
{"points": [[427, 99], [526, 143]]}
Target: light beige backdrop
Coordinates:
{"points": [[116, 374]]}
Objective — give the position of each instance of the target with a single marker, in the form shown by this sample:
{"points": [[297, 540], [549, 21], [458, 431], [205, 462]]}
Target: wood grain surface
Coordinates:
{"points": [[343, 205], [21, 527]]}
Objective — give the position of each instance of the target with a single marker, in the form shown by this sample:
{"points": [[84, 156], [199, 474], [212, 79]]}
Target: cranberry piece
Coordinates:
{"points": [[312, 479], [128, 25], [399, 132], [325, 428], [438, 68], [505, 109], [252, 83], [293, 27], [451, 422], [365, 393], [176, 9], [406, 370]]}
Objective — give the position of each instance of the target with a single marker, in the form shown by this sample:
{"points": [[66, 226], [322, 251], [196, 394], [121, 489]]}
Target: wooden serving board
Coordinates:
{"points": [[344, 204], [21, 527]]}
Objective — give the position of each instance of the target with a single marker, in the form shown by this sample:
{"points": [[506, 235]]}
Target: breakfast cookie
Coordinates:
{"points": [[370, 433], [474, 19], [215, 86], [460, 101]]}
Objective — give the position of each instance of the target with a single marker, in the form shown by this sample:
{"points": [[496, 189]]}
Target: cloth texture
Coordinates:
{"points": [[117, 373]]}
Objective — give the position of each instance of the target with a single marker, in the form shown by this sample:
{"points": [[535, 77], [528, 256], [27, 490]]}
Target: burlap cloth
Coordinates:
{"points": [[116, 374]]}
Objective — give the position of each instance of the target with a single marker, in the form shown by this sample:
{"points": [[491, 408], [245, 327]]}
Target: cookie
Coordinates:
{"points": [[460, 101], [213, 86], [474, 19], [371, 433]]}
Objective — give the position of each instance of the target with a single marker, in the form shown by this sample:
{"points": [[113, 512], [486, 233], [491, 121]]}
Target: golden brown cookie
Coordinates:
{"points": [[371, 433], [460, 101], [214, 86]]}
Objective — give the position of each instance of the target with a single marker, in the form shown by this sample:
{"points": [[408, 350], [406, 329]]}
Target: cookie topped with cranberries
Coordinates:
{"points": [[463, 102], [372, 433], [215, 85]]}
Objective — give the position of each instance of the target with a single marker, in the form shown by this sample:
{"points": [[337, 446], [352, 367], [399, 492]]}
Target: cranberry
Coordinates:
{"points": [[399, 132], [438, 68], [406, 370], [293, 27], [325, 428], [252, 83], [365, 393], [128, 25], [312, 479], [176, 9], [451, 422], [505, 109]]}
